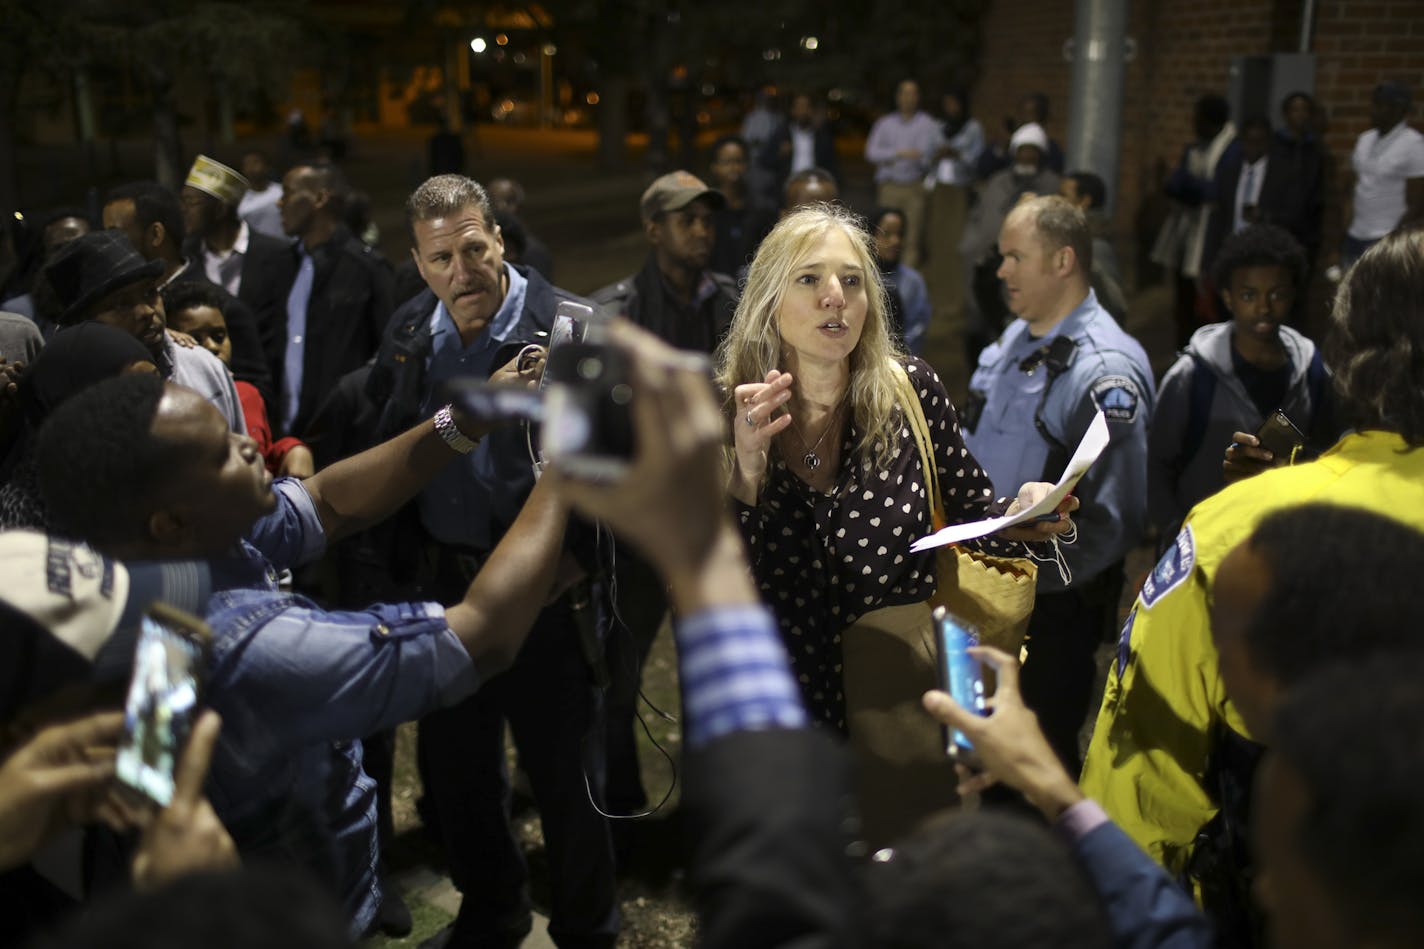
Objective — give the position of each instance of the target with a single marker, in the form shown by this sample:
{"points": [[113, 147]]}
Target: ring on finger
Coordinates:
{"points": [[751, 421]]}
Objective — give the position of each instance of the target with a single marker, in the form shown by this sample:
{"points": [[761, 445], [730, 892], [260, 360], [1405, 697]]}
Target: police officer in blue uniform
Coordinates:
{"points": [[1032, 397]]}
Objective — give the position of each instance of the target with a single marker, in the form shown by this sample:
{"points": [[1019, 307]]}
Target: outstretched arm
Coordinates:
{"points": [[366, 488], [512, 587]]}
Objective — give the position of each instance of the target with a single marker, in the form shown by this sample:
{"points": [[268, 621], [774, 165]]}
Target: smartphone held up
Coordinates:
{"points": [[961, 675], [163, 701]]}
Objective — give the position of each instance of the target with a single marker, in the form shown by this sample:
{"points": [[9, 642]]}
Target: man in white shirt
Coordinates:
{"points": [[255, 268], [1388, 166], [258, 206]]}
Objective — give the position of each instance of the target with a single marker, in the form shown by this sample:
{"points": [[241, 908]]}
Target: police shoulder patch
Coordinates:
{"points": [[1118, 398], [1175, 567]]}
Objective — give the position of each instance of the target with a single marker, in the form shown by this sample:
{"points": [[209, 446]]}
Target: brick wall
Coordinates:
{"points": [[1184, 50]]}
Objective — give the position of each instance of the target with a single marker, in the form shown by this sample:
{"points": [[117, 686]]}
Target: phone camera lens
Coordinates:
{"points": [[590, 368]]}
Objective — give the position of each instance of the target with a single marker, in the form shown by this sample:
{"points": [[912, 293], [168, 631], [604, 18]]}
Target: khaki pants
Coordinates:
{"points": [[910, 200], [943, 268]]}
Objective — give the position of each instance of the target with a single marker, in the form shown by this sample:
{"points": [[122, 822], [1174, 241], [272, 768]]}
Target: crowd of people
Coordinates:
{"points": [[226, 400]]}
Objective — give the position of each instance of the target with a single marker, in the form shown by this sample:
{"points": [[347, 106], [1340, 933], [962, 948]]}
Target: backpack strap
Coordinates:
{"points": [[1315, 379], [1199, 396]]}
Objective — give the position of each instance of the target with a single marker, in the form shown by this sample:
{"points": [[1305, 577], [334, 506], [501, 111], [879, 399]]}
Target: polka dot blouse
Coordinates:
{"points": [[824, 560]]}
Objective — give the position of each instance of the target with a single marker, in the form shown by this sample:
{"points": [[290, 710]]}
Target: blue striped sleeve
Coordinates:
{"points": [[735, 674]]}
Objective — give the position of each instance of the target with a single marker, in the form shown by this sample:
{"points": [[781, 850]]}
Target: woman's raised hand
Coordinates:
{"points": [[754, 427]]}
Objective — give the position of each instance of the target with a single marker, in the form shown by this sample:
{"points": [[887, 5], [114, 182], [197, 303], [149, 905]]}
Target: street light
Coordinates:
{"points": [[809, 43], [478, 45]]}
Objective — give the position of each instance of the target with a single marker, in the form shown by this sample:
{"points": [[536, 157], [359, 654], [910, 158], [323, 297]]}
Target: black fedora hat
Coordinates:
{"points": [[88, 268]]}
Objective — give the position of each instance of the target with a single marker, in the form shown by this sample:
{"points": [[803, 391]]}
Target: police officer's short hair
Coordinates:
{"points": [[444, 195], [1059, 224]]}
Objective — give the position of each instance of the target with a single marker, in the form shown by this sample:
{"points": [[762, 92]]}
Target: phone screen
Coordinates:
{"points": [[960, 674], [161, 706], [573, 323]]}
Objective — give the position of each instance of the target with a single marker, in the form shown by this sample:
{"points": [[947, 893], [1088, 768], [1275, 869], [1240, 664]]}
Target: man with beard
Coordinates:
{"points": [[150, 216], [101, 277], [675, 296]]}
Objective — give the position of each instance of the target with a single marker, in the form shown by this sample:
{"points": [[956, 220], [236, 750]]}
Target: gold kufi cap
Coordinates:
{"points": [[216, 179]]}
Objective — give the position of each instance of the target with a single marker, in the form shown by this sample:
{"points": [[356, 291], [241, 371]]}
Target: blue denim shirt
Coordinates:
{"points": [[297, 686]]}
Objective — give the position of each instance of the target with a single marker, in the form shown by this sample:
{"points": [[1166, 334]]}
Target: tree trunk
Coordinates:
{"points": [[167, 148], [657, 121], [10, 70], [612, 122]]}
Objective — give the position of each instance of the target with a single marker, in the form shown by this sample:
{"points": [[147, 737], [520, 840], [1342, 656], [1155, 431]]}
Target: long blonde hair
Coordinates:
{"points": [[753, 344]]}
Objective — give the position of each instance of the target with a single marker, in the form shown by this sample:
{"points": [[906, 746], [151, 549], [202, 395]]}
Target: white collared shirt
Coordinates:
{"points": [[1248, 189], [225, 270], [803, 148], [1382, 164]]}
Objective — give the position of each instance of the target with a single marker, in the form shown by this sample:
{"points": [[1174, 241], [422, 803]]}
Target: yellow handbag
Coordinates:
{"points": [[995, 594]]}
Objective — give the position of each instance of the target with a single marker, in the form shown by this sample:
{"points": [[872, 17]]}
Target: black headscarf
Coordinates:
{"points": [[74, 359], [952, 124]]}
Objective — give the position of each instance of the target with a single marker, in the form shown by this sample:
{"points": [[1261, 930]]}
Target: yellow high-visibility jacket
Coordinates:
{"points": [[1147, 761]]}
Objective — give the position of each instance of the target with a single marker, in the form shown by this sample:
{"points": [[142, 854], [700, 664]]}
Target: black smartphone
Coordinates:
{"points": [[164, 697], [588, 421], [1280, 437], [961, 675]]}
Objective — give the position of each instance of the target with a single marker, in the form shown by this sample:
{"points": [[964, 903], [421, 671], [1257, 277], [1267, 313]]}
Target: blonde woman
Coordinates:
{"points": [[826, 479]]}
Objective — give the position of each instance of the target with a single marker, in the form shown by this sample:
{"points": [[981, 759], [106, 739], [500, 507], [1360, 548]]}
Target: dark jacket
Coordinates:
{"points": [[383, 399], [645, 299], [267, 271], [351, 302], [249, 352], [1305, 161], [739, 233], [776, 154], [769, 811], [1287, 199]]}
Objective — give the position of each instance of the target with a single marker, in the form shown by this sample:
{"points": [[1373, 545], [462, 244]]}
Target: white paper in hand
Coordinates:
{"points": [[1095, 439]]}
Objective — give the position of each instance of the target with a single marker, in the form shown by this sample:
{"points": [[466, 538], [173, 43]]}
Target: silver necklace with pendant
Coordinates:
{"points": [[811, 460]]}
